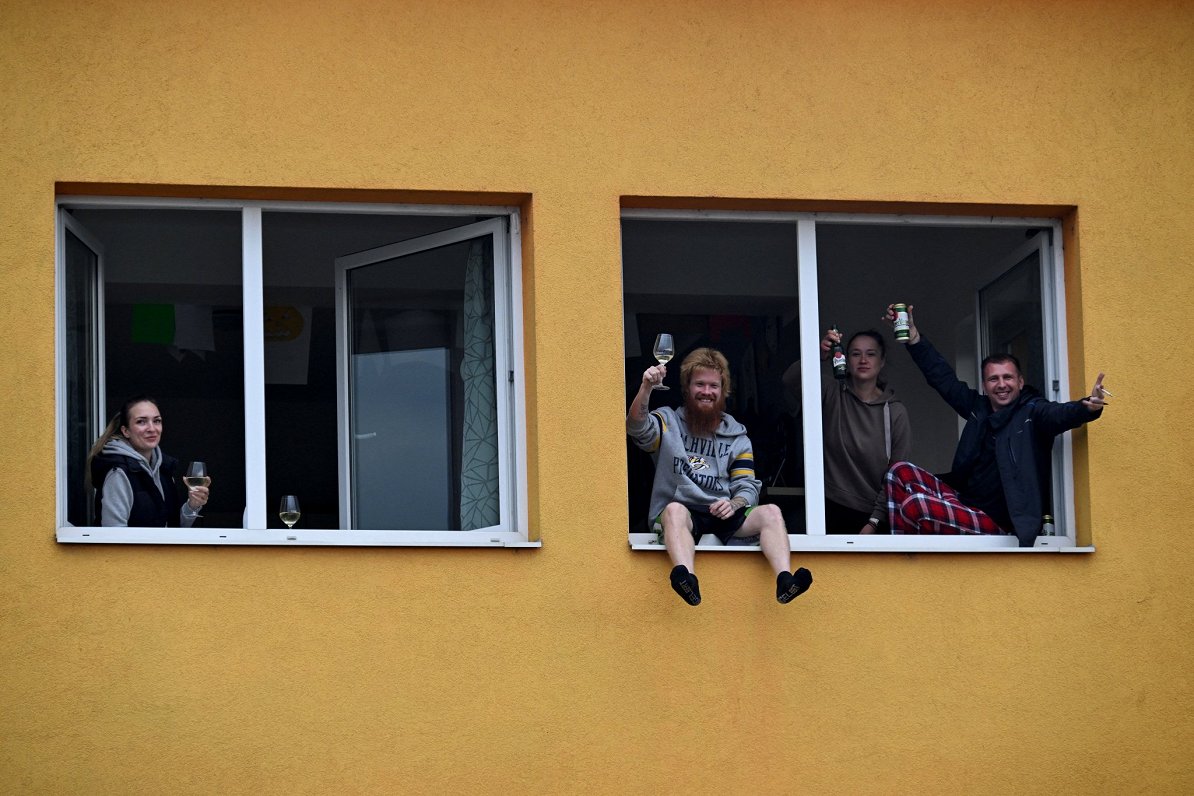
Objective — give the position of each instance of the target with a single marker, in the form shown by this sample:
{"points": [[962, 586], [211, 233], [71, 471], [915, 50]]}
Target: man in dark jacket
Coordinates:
{"points": [[1001, 470]]}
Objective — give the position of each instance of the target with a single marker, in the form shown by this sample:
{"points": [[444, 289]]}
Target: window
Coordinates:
{"points": [[365, 358], [763, 287]]}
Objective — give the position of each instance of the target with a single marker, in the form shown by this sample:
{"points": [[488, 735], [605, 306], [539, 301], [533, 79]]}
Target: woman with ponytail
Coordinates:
{"points": [[134, 481]]}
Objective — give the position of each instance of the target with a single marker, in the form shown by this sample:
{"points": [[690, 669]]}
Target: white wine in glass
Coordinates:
{"points": [[196, 475], [664, 350], [289, 511]]}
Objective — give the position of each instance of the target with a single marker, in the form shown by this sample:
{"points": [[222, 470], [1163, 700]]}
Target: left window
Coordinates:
{"points": [[364, 358]]}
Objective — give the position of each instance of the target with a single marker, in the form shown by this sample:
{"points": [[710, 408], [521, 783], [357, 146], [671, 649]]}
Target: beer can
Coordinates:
{"points": [[901, 322]]}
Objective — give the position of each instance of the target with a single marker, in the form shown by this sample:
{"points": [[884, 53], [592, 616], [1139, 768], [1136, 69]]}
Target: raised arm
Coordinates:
{"points": [[1053, 418], [791, 377], [646, 434], [913, 334], [1098, 396], [937, 372], [640, 405]]}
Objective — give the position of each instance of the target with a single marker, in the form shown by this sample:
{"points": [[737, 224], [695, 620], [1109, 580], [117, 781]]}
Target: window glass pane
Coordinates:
{"points": [[862, 268], [423, 422], [81, 376], [1010, 309], [407, 364], [732, 286], [298, 251], [173, 330]]}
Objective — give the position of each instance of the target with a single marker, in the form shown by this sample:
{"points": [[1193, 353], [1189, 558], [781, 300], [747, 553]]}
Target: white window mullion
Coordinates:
{"points": [[253, 313], [61, 411], [517, 441], [810, 376]]}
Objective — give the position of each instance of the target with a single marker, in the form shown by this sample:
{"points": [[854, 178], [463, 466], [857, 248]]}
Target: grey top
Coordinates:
{"points": [[118, 492], [695, 470], [862, 439]]}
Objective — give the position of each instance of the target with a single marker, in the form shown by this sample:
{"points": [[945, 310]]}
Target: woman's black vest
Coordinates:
{"points": [[150, 509]]}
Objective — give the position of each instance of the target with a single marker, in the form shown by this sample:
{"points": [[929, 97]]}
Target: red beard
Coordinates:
{"points": [[702, 419]]}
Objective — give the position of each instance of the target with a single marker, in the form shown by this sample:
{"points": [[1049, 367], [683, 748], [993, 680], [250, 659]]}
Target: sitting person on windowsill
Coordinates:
{"points": [[1001, 468], [704, 475]]}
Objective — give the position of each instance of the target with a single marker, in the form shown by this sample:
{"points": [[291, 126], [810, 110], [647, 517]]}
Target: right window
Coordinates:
{"points": [[765, 287]]}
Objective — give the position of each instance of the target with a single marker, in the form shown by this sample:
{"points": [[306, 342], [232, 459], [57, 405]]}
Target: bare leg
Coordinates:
{"points": [[677, 535], [767, 522]]}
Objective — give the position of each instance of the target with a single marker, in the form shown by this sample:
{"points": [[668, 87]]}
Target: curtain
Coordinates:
{"points": [[479, 455]]}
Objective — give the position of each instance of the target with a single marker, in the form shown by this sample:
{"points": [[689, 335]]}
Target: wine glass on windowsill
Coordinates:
{"points": [[289, 511]]}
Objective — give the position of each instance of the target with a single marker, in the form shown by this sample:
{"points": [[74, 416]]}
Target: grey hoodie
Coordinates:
{"points": [[862, 439], [695, 470], [118, 492]]}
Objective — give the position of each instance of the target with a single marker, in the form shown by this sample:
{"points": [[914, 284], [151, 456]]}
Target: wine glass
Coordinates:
{"points": [[664, 350], [196, 476], [289, 511]]}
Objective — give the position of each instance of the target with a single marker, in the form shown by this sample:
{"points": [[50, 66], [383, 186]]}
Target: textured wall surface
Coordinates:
{"points": [[573, 668]]}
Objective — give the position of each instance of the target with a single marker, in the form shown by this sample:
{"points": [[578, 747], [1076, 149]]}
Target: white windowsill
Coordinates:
{"points": [[296, 537], [884, 543]]}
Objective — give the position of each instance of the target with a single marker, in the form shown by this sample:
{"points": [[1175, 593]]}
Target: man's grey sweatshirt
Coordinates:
{"points": [[695, 471]]}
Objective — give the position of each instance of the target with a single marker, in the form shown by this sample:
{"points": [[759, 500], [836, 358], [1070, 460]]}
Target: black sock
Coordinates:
{"points": [[685, 584], [790, 585]]}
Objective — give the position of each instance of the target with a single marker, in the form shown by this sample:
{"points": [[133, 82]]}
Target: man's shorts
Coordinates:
{"points": [[703, 522]]}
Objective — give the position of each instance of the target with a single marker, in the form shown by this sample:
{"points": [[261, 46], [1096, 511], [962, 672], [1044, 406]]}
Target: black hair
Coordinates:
{"points": [[1000, 359], [869, 333]]}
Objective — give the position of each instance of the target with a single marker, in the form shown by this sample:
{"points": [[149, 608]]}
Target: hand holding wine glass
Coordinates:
{"points": [[197, 482], [664, 350], [196, 475], [289, 512]]}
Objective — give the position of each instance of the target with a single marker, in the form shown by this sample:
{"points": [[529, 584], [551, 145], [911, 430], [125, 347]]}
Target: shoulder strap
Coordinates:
{"points": [[887, 427]]}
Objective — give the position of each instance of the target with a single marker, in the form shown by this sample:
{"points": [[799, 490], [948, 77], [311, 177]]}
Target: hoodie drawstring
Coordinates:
{"points": [[887, 427]]}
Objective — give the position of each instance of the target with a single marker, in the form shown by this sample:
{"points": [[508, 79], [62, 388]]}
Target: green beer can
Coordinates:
{"points": [[901, 322]]}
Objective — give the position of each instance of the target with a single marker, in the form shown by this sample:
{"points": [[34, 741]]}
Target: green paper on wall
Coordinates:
{"points": [[153, 323]]}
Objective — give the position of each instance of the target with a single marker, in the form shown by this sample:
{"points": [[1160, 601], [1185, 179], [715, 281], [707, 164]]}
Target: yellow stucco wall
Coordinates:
{"points": [[573, 668]]}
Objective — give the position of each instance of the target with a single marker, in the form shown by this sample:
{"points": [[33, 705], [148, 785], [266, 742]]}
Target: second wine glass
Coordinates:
{"points": [[664, 350], [289, 512]]}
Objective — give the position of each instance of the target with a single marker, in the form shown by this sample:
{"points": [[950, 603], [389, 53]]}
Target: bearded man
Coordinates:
{"points": [[705, 475]]}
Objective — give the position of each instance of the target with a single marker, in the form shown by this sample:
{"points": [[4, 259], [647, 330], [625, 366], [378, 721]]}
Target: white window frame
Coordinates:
{"points": [[1056, 364], [514, 528], [495, 227], [66, 223]]}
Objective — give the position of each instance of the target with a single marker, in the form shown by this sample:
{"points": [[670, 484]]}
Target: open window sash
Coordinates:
{"points": [[1019, 312], [424, 377]]}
